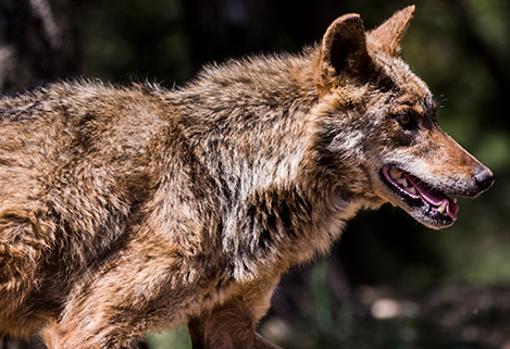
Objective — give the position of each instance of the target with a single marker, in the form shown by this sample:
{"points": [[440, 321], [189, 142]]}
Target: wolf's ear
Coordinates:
{"points": [[388, 35], [343, 49]]}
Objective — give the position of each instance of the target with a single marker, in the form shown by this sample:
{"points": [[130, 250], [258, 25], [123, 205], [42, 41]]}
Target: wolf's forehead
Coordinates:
{"points": [[405, 82]]}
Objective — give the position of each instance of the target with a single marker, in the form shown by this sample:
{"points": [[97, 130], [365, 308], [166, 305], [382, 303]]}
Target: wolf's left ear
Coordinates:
{"points": [[388, 35], [343, 49]]}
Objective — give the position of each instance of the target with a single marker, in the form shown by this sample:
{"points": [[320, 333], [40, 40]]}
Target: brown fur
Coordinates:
{"points": [[125, 210]]}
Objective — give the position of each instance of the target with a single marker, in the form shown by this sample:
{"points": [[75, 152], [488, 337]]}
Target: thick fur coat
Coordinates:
{"points": [[125, 210]]}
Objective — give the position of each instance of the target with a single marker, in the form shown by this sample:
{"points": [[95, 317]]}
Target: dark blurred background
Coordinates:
{"points": [[389, 283]]}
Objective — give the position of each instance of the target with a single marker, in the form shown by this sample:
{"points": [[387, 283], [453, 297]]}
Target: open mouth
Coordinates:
{"points": [[417, 194]]}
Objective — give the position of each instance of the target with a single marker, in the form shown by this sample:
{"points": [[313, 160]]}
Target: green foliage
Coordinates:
{"points": [[178, 339]]}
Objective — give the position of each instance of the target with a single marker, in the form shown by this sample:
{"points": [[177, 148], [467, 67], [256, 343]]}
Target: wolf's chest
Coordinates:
{"points": [[273, 238]]}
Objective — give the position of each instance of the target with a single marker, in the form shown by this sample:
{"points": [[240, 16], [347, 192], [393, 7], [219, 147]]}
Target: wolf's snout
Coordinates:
{"points": [[484, 179]]}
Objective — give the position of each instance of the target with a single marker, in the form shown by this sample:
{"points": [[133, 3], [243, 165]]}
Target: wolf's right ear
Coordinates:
{"points": [[343, 50]]}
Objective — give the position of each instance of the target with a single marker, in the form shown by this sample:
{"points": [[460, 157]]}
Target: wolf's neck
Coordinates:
{"points": [[255, 112], [254, 122], [249, 124]]}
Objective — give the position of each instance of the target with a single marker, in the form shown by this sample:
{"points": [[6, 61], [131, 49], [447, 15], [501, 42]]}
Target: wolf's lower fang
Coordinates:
{"points": [[442, 208]]}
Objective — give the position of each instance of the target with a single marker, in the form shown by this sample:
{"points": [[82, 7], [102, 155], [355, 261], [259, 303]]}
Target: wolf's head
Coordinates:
{"points": [[379, 117]]}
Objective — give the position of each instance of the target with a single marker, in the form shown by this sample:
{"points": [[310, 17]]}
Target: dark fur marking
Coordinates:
{"points": [[20, 114]]}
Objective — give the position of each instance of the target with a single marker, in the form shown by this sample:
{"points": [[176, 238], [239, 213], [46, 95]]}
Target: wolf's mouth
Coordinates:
{"points": [[417, 194]]}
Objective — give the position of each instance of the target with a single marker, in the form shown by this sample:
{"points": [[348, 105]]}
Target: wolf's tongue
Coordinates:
{"points": [[435, 198]]}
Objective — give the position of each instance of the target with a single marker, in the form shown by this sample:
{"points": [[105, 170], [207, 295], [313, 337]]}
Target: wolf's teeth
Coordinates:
{"points": [[442, 208], [403, 182], [395, 173], [455, 200], [413, 191]]}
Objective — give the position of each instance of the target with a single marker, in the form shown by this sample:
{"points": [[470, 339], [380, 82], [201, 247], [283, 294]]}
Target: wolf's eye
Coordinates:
{"points": [[406, 120]]}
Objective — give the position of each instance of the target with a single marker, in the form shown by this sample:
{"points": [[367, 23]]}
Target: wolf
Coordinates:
{"points": [[133, 209]]}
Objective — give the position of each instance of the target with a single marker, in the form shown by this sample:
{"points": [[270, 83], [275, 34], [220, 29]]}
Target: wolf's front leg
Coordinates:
{"points": [[145, 286], [232, 325], [23, 245]]}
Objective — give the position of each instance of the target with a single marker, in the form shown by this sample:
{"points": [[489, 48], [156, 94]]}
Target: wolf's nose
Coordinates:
{"points": [[484, 179]]}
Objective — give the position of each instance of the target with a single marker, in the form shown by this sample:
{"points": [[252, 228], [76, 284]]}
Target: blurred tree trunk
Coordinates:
{"points": [[37, 43]]}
